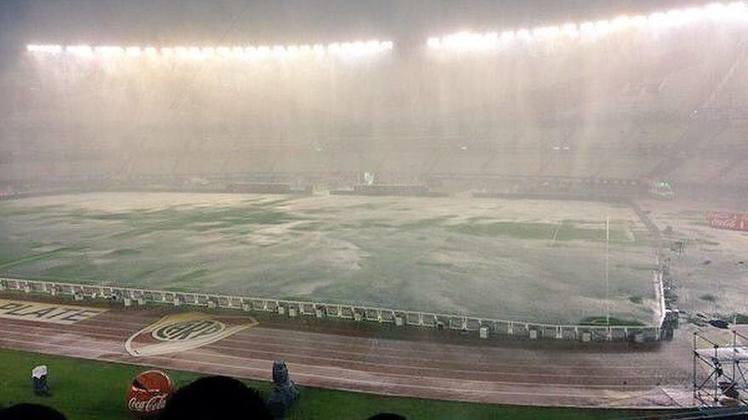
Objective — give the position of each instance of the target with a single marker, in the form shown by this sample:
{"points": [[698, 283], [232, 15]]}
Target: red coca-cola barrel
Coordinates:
{"points": [[148, 394]]}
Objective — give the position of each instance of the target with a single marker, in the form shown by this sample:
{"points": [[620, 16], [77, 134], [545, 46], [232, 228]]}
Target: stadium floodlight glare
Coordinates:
{"points": [[638, 21], [107, 51], [133, 51], [181, 52], [658, 19], [546, 32], [603, 27], [587, 29], [80, 50], [507, 36], [263, 51], [194, 53], [279, 51], [47, 49], [738, 8], [333, 48], [241, 53], [346, 49], [208, 52], [570, 30], [467, 41], [620, 23]]}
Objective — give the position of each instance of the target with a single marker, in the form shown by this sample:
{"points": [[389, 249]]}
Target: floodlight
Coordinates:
{"points": [[80, 50], [239, 52], [570, 30], [263, 51], [109, 51], [194, 53], [280, 51], [47, 49], [224, 52], [546, 32], [507, 36], [249, 52], [133, 51], [181, 52], [524, 35], [672, 18]]}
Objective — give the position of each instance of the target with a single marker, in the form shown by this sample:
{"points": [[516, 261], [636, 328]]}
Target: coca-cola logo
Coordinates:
{"points": [[152, 405], [188, 330], [723, 220], [148, 394]]}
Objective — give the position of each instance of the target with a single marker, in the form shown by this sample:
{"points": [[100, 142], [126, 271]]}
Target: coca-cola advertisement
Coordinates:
{"points": [[727, 220], [149, 394]]}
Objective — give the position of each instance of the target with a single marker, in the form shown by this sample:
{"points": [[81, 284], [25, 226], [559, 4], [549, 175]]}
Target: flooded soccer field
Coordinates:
{"points": [[533, 260]]}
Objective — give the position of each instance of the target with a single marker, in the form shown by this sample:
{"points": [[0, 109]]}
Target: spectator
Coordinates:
{"points": [[30, 411], [215, 397], [387, 416]]}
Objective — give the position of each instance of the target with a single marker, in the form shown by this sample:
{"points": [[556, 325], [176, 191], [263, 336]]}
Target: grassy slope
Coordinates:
{"points": [[96, 390]]}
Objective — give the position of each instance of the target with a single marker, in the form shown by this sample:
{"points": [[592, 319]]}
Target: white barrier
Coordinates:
{"points": [[659, 318], [396, 317]]}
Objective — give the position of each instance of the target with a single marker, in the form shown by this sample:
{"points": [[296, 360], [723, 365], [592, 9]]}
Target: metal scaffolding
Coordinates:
{"points": [[719, 373]]}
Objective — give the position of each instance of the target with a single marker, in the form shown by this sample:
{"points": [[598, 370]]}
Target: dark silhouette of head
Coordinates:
{"points": [[30, 411], [387, 416], [215, 397]]}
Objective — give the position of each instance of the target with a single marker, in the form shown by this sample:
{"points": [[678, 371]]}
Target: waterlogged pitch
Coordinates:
{"points": [[532, 260]]}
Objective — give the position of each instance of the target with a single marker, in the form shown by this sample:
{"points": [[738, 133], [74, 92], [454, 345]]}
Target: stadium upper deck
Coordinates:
{"points": [[618, 98]]}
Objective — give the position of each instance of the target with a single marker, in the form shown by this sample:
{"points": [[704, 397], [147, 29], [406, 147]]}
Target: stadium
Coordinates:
{"points": [[486, 203]]}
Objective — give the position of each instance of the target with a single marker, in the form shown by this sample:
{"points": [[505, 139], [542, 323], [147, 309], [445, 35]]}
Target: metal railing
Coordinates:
{"points": [[295, 308]]}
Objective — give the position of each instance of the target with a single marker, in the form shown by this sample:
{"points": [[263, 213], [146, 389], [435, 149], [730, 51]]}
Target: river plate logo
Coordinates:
{"points": [[181, 332], [188, 330]]}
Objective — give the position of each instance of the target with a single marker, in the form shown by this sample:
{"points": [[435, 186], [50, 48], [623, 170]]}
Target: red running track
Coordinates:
{"points": [[529, 374]]}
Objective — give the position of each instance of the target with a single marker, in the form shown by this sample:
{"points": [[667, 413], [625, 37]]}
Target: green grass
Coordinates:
{"points": [[31, 258], [546, 231], [636, 299], [440, 255], [511, 229], [177, 218], [601, 320], [96, 390], [708, 297], [123, 252]]}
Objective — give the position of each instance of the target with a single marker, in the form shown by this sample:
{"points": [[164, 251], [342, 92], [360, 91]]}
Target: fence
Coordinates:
{"points": [[358, 313]]}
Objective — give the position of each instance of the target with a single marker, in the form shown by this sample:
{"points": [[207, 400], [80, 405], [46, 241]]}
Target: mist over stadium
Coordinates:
{"points": [[531, 183]]}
